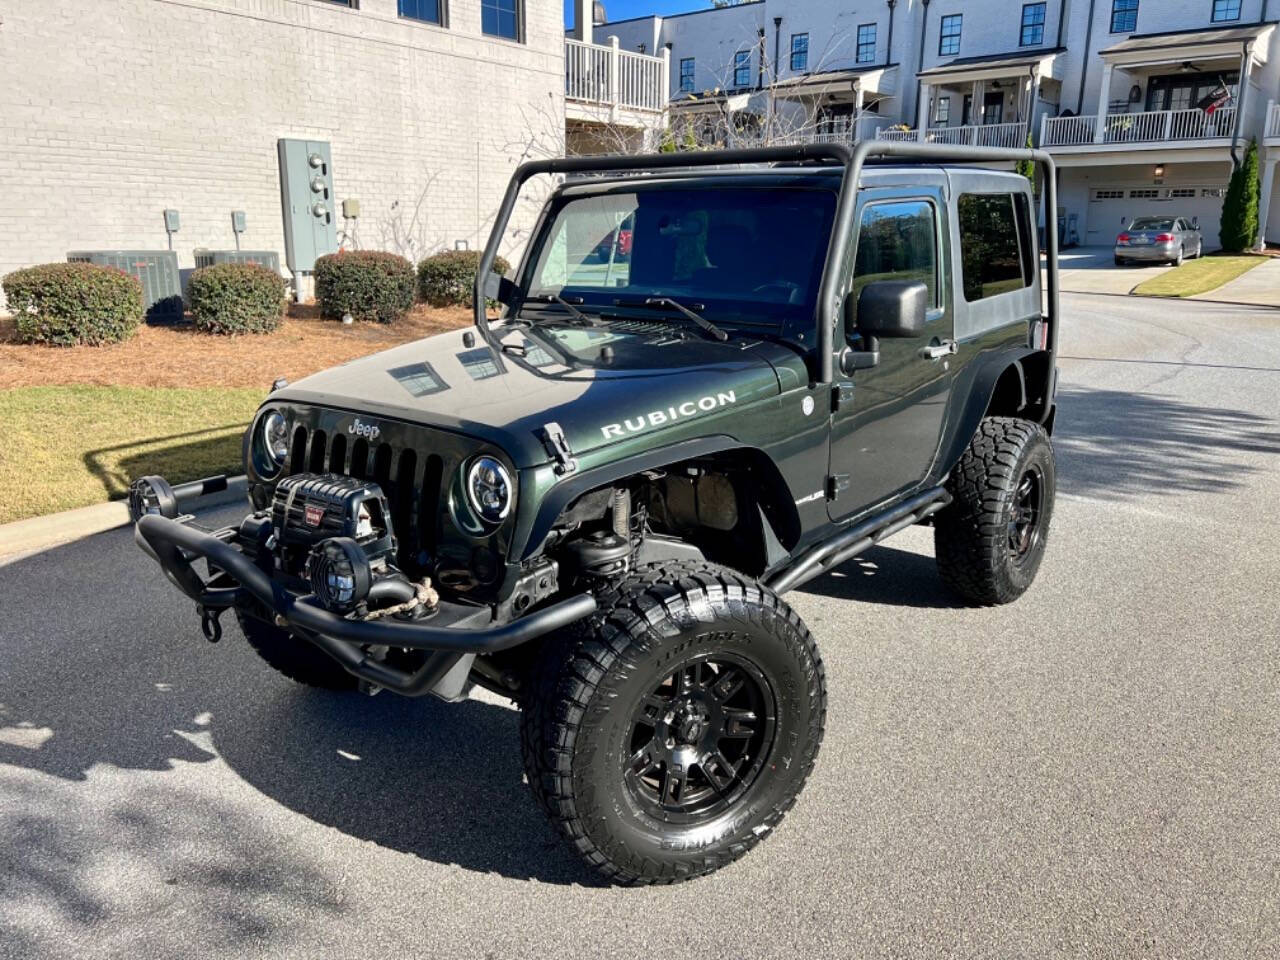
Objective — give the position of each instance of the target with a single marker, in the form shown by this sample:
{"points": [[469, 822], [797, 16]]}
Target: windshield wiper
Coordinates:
{"points": [[568, 305], [701, 321]]}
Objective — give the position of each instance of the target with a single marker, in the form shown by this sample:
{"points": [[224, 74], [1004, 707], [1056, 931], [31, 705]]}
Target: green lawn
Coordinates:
{"points": [[1198, 276], [72, 446]]}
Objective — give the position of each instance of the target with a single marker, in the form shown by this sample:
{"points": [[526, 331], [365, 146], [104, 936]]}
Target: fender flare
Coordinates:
{"points": [[530, 533]]}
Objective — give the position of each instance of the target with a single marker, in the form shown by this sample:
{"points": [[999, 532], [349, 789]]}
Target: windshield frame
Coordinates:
{"points": [[794, 324]]}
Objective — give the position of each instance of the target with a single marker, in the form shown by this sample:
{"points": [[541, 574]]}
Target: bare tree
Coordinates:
{"points": [[403, 229]]}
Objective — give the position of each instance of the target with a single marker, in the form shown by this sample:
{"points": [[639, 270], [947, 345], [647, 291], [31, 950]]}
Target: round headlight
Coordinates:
{"points": [[275, 438], [489, 489], [339, 574]]}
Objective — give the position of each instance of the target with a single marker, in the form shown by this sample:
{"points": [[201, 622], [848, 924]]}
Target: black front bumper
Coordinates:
{"points": [[454, 631]]}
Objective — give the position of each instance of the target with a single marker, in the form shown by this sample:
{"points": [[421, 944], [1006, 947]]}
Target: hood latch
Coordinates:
{"points": [[553, 439]]}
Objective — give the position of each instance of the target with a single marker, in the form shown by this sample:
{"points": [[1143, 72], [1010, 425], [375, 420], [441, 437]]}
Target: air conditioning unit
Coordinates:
{"points": [[156, 269], [263, 258]]}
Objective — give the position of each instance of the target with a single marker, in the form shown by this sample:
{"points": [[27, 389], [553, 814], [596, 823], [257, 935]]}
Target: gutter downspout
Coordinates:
{"points": [[924, 24], [1246, 55], [1084, 69], [777, 52], [1062, 14], [888, 47]]}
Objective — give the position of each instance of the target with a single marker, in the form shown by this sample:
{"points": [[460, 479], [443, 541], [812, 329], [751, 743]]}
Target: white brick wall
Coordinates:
{"points": [[113, 110]]}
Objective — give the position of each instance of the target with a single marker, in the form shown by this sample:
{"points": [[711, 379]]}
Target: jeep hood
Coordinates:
{"points": [[646, 383]]}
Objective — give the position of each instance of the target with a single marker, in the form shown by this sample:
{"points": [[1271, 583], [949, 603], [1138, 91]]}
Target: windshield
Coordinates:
{"points": [[1151, 223], [735, 254]]}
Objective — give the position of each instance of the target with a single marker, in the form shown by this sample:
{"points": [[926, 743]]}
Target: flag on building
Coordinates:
{"points": [[1219, 96]]}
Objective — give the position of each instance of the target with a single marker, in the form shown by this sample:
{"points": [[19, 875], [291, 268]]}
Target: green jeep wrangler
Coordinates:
{"points": [[715, 377]]}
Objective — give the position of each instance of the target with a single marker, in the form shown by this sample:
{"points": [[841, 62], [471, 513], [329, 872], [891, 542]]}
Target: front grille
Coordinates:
{"points": [[410, 479]]}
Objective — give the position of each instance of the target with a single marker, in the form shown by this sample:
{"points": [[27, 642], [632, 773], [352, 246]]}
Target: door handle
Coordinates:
{"points": [[939, 349]]}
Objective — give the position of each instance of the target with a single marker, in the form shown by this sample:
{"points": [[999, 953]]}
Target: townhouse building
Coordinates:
{"points": [[113, 111], [1126, 94]]}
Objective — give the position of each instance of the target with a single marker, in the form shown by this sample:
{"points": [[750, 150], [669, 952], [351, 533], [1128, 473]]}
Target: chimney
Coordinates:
{"points": [[583, 20]]}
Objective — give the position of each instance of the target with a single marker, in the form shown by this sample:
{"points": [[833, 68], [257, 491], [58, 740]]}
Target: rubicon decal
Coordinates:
{"points": [[658, 418]]}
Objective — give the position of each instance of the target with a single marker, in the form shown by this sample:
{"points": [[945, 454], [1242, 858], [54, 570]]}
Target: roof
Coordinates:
{"points": [[1016, 58], [1140, 42], [832, 75]]}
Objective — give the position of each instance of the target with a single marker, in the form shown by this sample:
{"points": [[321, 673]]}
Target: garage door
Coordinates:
{"points": [[1111, 209]]}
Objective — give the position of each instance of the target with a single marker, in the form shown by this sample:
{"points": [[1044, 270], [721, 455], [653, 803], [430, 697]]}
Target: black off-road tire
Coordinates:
{"points": [[296, 658], [579, 725], [987, 546]]}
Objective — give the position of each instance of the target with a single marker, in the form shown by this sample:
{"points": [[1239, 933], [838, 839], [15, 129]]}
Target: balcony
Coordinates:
{"points": [[842, 130], [1169, 128], [603, 84], [970, 135]]}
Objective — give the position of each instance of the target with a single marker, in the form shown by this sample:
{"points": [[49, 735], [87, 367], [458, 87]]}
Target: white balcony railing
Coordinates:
{"points": [[1151, 126], [1273, 120], [972, 135], [843, 130], [611, 77]]}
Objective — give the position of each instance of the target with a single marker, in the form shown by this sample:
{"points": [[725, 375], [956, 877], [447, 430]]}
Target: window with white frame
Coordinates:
{"points": [[742, 69], [949, 35], [1124, 16], [1032, 25], [686, 75], [1226, 10], [942, 112], [866, 50], [800, 52]]}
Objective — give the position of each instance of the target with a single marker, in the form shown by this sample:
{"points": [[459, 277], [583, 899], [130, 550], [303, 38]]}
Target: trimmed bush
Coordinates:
{"points": [[1239, 225], [73, 303], [447, 279], [368, 284], [236, 298]]}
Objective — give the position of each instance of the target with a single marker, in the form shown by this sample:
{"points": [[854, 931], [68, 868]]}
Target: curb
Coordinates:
{"points": [[22, 538]]}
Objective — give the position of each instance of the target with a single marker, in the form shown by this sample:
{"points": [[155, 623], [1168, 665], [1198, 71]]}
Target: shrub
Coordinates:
{"points": [[1239, 227], [71, 303], [368, 284], [447, 279], [236, 298]]}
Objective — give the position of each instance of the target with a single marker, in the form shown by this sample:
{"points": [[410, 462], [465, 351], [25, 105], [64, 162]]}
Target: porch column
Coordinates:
{"points": [[1033, 101], [664, 80], [615, 81], [856, 133], [978, 95], [1264, 204], [922, 110], [1104, 97]]}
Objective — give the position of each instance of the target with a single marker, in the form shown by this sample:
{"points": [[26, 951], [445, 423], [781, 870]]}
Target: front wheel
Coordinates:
{"points": [[991, 538], [672, 735]]}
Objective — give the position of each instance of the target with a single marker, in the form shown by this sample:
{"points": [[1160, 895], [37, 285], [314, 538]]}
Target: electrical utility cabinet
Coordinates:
{"points": [[306, 194]]}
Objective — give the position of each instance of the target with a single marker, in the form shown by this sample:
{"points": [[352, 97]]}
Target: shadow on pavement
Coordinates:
{"points": [[101, 663], [889, 576], [1112, 444]]}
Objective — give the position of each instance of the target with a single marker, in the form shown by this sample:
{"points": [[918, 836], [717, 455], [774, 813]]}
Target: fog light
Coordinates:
{"points": [[339, 574], [148, 495]]}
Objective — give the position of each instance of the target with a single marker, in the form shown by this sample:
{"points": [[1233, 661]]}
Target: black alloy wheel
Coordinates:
{"points": [[1024, 520], [700, 738]]}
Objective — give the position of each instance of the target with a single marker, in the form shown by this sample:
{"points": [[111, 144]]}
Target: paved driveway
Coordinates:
{"points": [[1091, 772], [1094, 270]]}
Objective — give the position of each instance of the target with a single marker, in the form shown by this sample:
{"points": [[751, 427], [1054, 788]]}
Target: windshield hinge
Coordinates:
{"points": [[841, 395], [837, 483], [554, 440]]}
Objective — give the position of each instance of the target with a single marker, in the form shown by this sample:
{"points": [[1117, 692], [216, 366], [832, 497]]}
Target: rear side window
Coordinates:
{"points": [[897, 240], [995, 244]]}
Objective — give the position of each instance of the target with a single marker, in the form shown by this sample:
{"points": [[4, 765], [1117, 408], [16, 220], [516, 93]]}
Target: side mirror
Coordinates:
{"points": [[885, 308], [1195, 223], [892, 308]]}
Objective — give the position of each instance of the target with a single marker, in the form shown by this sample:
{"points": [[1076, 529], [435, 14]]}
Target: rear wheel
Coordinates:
{"points": [[991, 538], [1121, 261], [297, 659], [1181, 255], [669, 738]]}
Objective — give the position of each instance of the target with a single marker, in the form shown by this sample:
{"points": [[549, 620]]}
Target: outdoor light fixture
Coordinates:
{"points": [[1159, 170]]}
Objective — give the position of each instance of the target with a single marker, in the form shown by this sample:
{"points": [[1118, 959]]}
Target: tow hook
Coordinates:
{"points": [[209, 624]]}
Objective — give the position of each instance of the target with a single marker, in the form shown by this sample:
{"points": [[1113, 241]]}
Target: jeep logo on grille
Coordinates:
{"points": [[369, 431]]}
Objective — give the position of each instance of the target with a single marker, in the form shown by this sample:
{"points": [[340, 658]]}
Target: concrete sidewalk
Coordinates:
{"points": [[1260, 286]]}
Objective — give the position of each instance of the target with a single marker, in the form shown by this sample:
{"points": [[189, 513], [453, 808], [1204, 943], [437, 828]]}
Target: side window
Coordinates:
{"points": [[897, 240], [992, 259]]}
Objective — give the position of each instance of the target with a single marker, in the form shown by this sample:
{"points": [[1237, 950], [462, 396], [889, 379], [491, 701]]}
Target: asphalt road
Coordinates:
{"points": [[1093, 771]]}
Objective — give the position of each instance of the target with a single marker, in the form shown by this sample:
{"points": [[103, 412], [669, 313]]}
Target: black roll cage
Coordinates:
{"points": [[852, 160]]}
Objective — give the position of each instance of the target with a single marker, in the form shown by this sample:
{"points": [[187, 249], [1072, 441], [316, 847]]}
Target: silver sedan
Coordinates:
{"points": [[1159, 240]]}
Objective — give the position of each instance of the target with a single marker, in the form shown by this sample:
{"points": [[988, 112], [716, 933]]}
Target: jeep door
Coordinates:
{"points": [[888, 421]]}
